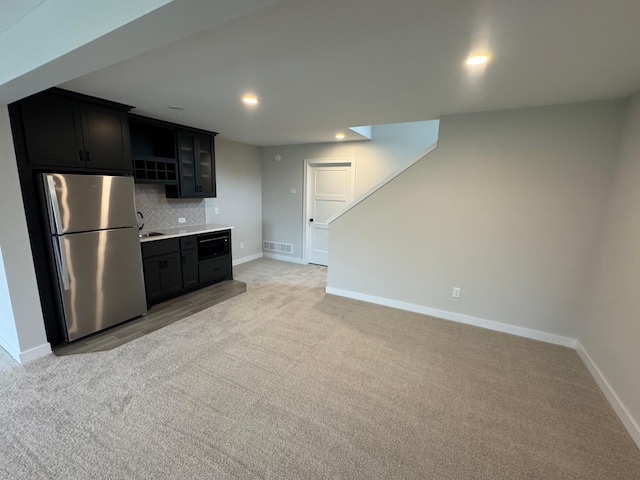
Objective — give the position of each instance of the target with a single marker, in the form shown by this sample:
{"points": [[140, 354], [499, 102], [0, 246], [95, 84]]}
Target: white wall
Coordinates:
{"points": [[18, 263], [8, 333], [391, 148], [61, 40], [508, 208], [611, 333], [239, 196], [65, 24]]}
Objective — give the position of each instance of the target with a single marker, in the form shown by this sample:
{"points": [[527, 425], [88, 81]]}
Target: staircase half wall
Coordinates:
{"points": [[508, 208]]}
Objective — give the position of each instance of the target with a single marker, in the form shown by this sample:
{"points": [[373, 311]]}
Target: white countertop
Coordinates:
{"points": [[183, 231]]}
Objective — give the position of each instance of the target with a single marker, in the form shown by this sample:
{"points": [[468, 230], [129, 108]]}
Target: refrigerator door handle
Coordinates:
{"points": [[54, 205], [61, 261]]}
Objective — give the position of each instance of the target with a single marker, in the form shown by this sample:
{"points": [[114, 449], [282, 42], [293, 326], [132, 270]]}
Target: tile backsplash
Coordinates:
{"points": [[162, 212]]}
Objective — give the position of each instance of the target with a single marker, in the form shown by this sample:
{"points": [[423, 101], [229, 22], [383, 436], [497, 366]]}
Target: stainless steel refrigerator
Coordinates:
{"points": [[94, 235]]}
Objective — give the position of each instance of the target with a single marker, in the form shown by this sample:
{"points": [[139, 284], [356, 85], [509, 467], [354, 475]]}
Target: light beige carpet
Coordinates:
{"points": [[287, 382]]}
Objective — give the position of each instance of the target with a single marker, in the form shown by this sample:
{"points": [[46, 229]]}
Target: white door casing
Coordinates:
{"points": [[329, 188]]}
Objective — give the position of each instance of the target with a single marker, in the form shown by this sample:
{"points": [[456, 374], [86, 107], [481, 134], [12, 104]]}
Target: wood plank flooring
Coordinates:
{"points": [[158, 316]]}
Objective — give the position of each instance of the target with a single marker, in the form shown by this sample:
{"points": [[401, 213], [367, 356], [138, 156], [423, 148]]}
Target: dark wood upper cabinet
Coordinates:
{"points": [[196, 166], [63, 131], [187, 147], [206, 166], [53, 131], [180, 157], [106, 137], [153, 149]]}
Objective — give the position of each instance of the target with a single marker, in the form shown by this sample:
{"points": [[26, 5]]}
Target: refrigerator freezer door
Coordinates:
{"points": [[81, 203], [105, 280]]}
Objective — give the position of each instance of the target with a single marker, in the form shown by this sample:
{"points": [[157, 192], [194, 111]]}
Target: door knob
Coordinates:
{"points": [[311, 220]]}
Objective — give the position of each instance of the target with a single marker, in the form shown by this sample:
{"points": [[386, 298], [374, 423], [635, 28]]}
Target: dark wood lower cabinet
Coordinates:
{"points": [[189, 268], [163, 276], [153, 278], [171, 267], [216, 269]]}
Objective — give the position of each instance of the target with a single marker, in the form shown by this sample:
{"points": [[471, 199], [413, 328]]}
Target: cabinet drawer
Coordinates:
{"points": [[187, 243], [160, 247], [216, 269]]}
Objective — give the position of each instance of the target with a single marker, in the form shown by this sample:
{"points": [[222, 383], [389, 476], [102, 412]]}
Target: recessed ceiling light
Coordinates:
{"points": [[175, 107], [478, 60], [339, 135], [250, 100]]}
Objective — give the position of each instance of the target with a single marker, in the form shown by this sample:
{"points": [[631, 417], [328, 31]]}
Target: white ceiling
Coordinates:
{"points": [[14, 10], [322, 66]]}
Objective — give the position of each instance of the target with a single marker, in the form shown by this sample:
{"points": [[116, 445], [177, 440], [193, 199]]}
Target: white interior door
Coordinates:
{"points": [[330, 188]]}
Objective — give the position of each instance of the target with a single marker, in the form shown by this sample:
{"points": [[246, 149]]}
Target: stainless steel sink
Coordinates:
{"points": [[150, 234]]}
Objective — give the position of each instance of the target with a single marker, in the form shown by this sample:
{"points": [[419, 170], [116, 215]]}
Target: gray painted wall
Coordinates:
{"points": [[509, 207], [239, 196], [392, 147], [27, 318], [611, 334]]}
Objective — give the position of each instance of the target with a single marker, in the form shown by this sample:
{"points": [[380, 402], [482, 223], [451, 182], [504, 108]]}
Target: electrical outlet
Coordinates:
{"points": [[293, 191], [456, 292], [182, 220], [241, 244], [216, 210]]}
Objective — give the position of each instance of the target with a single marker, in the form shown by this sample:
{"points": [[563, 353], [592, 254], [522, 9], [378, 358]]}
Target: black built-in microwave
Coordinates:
{"points": [[213, 245]]}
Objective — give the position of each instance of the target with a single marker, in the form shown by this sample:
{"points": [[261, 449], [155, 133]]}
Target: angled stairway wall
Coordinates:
{"points": [[515, 208], [389, 150], [508, 208]]}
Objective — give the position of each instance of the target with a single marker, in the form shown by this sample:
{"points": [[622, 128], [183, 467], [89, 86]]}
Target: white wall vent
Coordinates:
{"points": [[278, 247]]}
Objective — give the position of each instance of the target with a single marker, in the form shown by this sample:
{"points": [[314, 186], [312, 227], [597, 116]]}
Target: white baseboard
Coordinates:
{"points": [[10, 349], [242, 260], [458, 317], [35, 353], [283, 258], [623, 414], [28, 355]]}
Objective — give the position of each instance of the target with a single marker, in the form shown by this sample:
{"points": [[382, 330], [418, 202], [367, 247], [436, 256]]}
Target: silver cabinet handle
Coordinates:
{"points": [[61, 261], [53, 205], [213, 240]]}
